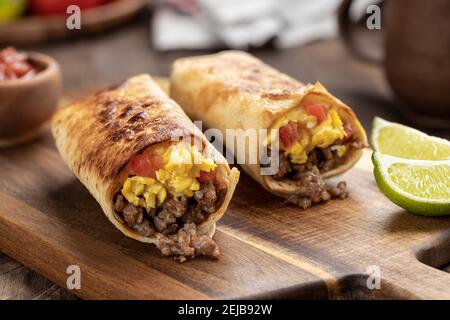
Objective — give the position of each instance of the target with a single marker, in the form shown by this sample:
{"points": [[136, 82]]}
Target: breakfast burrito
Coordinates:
{"points": [[156, 177], [317, 135]]}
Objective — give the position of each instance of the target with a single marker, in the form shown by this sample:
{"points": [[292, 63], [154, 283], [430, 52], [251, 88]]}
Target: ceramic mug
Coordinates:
{"points": [[416, 55]]}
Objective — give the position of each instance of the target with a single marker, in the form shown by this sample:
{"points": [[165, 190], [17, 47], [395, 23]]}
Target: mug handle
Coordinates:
{"points": [[346, 31]]}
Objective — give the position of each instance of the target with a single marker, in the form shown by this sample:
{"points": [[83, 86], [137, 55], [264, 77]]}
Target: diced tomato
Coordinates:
{"points": [[14, 65], [9, 55], [207, 176], [146, 165], [20, 68], [317, 110], [2, 71], [9, 72], [289, 134]]}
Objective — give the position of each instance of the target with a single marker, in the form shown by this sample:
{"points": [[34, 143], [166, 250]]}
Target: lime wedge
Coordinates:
{"points": [[419, 186], [404, 142]]}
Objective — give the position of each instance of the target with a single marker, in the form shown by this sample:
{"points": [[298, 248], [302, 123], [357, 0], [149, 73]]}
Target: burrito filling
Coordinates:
{"points": [[171, 189], [313, 140]]}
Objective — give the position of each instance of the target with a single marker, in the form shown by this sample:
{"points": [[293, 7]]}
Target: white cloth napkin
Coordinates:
{"points": [[243, 23]]}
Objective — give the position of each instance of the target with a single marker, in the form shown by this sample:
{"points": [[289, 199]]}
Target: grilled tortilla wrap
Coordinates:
{"points": [[234, 90], [100, 136]]}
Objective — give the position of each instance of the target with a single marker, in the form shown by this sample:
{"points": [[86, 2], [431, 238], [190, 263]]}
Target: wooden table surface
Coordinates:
{"points": [[109, 58]]}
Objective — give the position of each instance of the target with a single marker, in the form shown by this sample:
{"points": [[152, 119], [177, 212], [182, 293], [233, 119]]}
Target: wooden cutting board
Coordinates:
{"points": [[49, 221]]}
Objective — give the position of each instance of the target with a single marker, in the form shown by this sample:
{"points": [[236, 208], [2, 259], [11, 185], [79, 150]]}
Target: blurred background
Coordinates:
{"points": [[332, 41]]}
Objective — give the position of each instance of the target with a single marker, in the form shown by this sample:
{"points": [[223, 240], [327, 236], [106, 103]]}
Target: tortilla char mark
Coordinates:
{"points": [[112, 126], [232, 74]]}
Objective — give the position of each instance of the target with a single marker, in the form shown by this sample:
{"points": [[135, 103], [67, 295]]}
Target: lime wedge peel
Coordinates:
{"points": [[404, 142], [419, 186]]}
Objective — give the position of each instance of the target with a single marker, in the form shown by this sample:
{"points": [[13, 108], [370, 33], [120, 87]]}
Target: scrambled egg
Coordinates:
{"points": [[182, 165], [312, 134], [143, 192]]}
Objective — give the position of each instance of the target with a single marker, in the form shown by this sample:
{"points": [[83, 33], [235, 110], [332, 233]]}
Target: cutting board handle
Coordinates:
{"points": [[418, 275]]}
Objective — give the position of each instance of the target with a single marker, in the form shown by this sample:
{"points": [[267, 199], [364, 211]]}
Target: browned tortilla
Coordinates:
{"points": [[97, 136], [234, 90]]}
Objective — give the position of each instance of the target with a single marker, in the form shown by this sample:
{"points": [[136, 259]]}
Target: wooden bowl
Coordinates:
{"points": [[27, 104]]}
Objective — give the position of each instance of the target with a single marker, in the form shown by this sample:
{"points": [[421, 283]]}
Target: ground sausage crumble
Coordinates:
{"points": [[177, 221], [312, 187]]}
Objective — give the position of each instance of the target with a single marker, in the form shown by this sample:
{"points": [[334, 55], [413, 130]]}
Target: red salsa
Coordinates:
{"points": [[15, 65]]}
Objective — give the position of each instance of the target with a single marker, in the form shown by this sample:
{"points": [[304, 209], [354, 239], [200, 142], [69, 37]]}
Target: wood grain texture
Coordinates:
{"points": [[49, 221], [19, 282]]}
